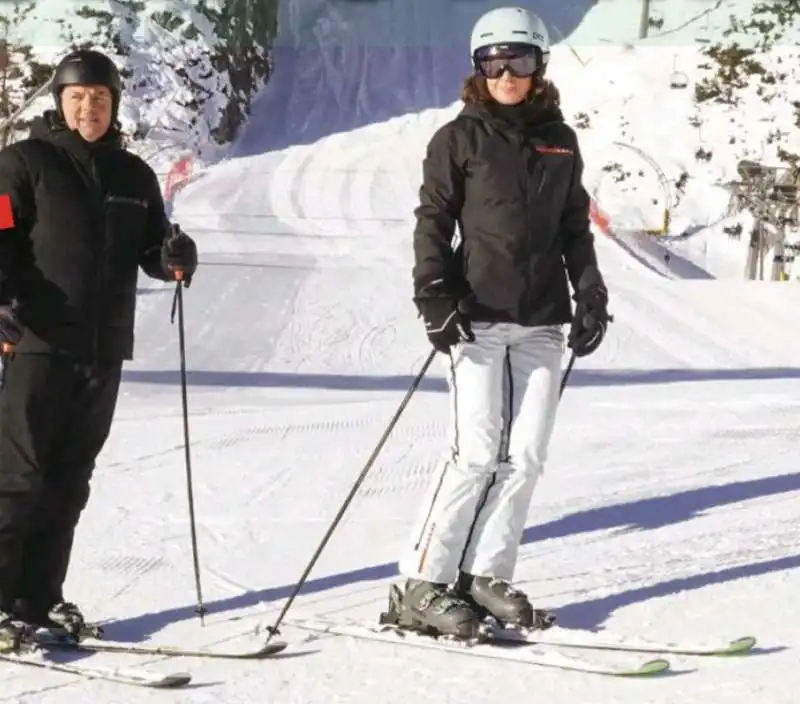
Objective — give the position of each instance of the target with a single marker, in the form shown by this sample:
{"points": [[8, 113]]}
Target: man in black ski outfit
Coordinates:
{"points": [[78, 216]]}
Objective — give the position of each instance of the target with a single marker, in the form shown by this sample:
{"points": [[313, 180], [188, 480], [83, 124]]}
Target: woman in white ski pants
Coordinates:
{"points": [[506, 175], [504, 392]]}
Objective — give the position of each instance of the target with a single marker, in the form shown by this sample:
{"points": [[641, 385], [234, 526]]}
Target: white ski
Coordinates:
{"points": [[123, 675], [574, 638], [47, 639], [530, 655]]}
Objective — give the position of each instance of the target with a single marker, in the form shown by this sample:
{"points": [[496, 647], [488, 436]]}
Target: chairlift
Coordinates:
{"points": [[678, 80]]}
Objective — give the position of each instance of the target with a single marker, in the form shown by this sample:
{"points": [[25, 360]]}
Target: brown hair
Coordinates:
{"points": [[476, 92]]}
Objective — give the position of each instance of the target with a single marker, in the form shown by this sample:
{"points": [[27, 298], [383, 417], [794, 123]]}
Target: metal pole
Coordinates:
{"points": [[39, 91], [200, 609], [778, 250], [274, 629], [644, 22]]}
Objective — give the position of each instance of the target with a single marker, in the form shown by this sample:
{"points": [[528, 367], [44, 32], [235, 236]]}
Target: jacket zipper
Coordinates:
{"points": [[100, 284], [538, 182], [533, 186]]}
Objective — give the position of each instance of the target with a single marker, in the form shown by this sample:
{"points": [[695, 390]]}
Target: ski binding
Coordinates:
{"points": [[487, 648]]}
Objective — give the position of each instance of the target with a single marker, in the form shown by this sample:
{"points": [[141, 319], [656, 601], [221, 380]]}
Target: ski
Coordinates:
{"points": [[137, 676], [48, 639], [530, 655], [569, 638]]}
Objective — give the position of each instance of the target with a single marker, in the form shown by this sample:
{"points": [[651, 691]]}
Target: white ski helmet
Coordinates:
{"points": [[508, 26]]}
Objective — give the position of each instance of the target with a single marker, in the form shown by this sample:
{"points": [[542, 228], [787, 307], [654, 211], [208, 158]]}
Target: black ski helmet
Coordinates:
{"points": [[87, 67]]}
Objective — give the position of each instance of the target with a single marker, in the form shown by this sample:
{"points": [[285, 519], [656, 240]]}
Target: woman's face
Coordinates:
{"points": [[508, 89]]}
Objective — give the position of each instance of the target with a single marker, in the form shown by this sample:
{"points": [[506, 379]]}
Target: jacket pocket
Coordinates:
{"points": [[539, 178], [551, 180], [126, 220]]}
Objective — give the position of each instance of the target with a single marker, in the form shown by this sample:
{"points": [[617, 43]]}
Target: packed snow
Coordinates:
{"points": [[668, 508]]}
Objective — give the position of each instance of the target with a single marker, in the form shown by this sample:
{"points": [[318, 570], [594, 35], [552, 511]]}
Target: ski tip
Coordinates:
{"points": [[273, 648], [651, 667], [174, 680], [740, 645]]}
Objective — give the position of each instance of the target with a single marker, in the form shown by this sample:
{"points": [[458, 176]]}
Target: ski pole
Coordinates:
{"points": [[567, 372], [571, 364], [177, 303], [6, 354], [273, 630]]}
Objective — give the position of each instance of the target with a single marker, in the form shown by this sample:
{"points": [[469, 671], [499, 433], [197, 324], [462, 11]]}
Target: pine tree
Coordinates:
{"points": [[16, 67], [765, 64]]}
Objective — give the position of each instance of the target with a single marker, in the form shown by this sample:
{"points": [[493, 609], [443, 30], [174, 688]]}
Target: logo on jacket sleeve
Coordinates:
{"points": [[554, 150]]}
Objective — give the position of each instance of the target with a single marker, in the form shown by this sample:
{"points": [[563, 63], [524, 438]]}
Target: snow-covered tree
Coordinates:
{"points": [[21, 75], [245, 30], [758, 66], [191, 68]]}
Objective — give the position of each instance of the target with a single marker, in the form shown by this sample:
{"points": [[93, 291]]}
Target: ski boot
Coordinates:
{"points": [[496, 598], [66, 618], [15, 637], [432, 609]]}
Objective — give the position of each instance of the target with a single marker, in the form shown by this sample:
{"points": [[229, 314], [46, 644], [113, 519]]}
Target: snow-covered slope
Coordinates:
{"points": [[345, 66], [344, 202], [341, 65]]}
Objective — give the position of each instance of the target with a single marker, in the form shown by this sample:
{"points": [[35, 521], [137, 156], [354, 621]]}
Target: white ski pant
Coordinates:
{"points": [[504, 393]]}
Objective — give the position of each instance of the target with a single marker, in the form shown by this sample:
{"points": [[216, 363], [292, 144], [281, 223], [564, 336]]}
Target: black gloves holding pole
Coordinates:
{"points": [[178, 260], [179, 256], [446, 316], [11, 328]]}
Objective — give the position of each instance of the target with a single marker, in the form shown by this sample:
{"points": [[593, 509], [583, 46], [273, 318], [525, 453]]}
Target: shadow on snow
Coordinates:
{"points": [[400, 382], [639, 515]]}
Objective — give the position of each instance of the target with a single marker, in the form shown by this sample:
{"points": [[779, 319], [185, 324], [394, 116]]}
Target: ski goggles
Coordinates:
{"points": [[520, 61]]}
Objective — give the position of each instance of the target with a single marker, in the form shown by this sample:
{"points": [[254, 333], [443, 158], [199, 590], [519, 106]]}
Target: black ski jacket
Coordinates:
{"points": [[510, 179], [85, 217]]}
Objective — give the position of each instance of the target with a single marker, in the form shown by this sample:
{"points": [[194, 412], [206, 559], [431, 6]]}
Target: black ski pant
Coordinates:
{"points": [[55, 417]]}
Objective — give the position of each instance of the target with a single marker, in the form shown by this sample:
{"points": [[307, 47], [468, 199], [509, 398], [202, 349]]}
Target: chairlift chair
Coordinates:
{"points": [[678, 80]]}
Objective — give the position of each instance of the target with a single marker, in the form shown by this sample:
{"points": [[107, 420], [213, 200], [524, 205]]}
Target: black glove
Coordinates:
{"points": [[446, 318], [591, 314], [11, 328], [179, 256]]}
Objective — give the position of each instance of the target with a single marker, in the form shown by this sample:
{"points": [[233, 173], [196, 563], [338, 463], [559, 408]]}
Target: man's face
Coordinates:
{"points": [[88, 110]]}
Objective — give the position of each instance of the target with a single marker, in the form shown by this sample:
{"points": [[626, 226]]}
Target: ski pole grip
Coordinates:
{"points": [[178, 274]]}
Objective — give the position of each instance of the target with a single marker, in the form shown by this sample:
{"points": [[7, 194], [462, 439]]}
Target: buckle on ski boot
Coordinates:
{"points": [[16, 637], [392, 615]]}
